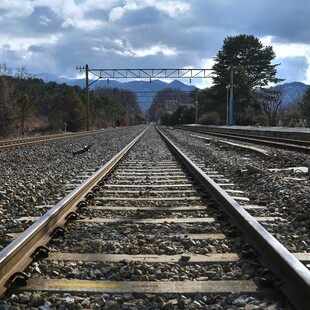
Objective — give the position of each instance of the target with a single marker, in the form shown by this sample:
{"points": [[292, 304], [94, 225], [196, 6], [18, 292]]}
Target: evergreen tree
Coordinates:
{"points": [[252, 69], [116, 106], [69, 112], [25, 109], [251, 62], [167, 101]]}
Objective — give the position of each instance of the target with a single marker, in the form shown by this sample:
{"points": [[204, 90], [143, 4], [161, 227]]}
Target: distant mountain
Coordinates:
{"points": [[292, 91], [47, 77], [144, 90]]}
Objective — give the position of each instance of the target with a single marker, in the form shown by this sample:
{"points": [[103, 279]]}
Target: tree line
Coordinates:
{"points": [[244, 59], [28, 104], [171, 107]]}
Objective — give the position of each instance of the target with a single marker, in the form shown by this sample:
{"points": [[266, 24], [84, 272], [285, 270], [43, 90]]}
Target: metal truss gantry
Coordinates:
{"points": [[139, 74], [147, 73]]}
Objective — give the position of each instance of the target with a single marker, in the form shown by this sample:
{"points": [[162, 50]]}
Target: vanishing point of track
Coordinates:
{"points": [[124, 193]]}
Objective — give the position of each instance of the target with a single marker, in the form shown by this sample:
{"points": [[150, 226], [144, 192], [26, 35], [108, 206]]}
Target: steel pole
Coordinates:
{"points": [[227, 105], [231, 105], [87, 99], [196, 110], [127, 116]]}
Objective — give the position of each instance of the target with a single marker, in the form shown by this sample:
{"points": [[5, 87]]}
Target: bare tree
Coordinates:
{"points": [[25, 109], [22, 73], [305, 108], [5, 70], [6, 108], [291, 115], [270, 101]]}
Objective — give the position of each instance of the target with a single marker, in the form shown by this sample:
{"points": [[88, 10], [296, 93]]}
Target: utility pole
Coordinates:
{"points": [[87, 99], [227, 105], [114, 104], [127, 116], [231, 111], [196, 110], [86, 68]]}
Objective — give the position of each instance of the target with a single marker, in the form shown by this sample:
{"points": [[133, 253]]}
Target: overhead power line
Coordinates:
{"points": [[140, 74]]}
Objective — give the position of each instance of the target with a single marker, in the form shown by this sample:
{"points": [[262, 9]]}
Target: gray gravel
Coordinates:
{"points": [[46, 169], [37, 175], [284, 193]]}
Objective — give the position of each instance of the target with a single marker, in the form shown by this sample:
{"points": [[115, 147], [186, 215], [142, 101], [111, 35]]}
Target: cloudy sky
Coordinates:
{"points": [[54, 36]]}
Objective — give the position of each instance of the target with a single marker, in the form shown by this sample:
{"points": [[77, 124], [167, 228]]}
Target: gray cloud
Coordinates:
{"points": [[293, 69], [42, 20], [142, 16], [56, 37]]}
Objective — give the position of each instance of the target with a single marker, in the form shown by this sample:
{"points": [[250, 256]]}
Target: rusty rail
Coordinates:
{"points": [[283, 143], [293, 276], [15, 143], [16, 257]]}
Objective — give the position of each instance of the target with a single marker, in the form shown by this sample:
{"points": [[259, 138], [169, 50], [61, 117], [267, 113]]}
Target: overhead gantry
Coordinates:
{"points": [[100, 73]]}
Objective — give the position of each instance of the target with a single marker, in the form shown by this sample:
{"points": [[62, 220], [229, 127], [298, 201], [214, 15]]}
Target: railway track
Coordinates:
{"points": [[16, 143], [298, 145], [152, 223]]}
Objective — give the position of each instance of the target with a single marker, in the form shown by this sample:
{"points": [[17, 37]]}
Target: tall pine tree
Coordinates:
{"points": [[252, 67]]}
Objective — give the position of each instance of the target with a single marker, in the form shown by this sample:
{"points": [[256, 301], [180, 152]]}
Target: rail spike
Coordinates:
{"points": [[101, 182], [41, 251], [81, 205], [72, 216], [269, 279], [233, 231], [19, 278], [58, 232], [248, 252], [221, 216], [95, 189], [89, 196]]}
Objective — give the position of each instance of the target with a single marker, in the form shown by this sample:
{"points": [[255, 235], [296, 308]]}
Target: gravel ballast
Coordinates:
{"points": [[284, 193], [38, 175]]}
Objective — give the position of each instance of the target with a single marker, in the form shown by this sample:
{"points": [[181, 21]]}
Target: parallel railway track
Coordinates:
{"points": [[298, 145], [138, 212], [16, 143]]}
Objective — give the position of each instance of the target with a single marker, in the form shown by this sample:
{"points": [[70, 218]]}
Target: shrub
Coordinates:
{"points": [[212, 118], [260, 120]]}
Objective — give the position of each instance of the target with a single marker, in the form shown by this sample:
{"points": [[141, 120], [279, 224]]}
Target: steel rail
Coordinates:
{"points": [[257, 137], [296, 145], [294, 277], [39, 138], [303, 136], [8, 144], [16, 257]]}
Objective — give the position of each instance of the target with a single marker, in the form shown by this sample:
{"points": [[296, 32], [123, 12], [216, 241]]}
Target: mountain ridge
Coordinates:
{"points": [[146, 90], [293, 91]]}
